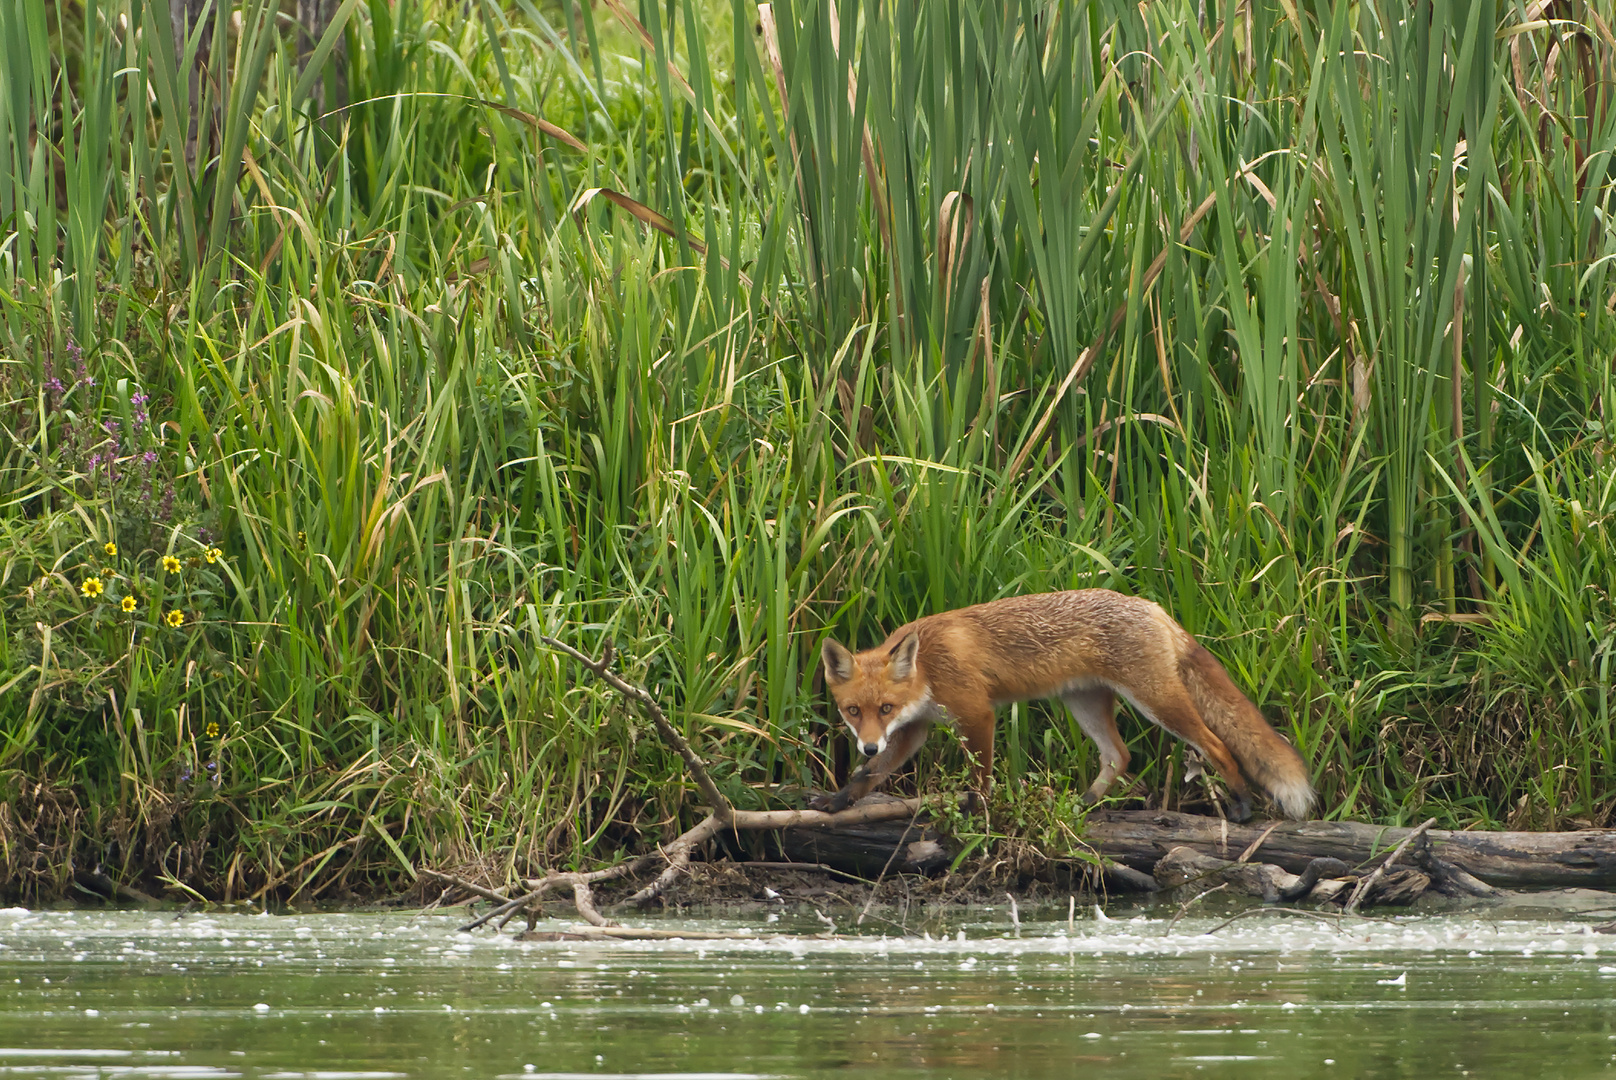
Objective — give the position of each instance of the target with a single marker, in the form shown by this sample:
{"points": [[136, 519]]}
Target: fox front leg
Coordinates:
{"points": [[900, 747]]}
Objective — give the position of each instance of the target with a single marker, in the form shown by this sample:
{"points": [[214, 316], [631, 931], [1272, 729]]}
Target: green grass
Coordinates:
{"points": [[1293, 318]]}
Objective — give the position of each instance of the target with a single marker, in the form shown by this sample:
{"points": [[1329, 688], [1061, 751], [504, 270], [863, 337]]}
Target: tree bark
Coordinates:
{"points": [[871, 849]]}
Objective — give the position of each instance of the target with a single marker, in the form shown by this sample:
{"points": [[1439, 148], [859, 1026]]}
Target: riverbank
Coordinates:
{"points": [[634, 326]]}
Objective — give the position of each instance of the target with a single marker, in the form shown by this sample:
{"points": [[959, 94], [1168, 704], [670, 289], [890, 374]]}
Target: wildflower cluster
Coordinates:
{"points": [[107, 448], [55, 392], [161, 580]]}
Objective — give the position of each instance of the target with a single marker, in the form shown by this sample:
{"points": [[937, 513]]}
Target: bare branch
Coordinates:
{"points": [[461, 883], [505, 908], [678, 856], [1364, 886], [602, 670], [585, 901]]}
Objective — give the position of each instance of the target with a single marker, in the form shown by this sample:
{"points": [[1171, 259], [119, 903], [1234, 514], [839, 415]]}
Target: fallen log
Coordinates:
{"points": [[1139, 838], [870, 849]]}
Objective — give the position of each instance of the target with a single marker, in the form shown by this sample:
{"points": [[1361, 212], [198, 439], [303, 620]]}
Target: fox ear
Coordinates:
{"points": [[902, 657], [838, 662]]}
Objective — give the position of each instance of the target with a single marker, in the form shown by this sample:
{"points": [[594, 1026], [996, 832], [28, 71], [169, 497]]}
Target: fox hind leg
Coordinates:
{"points": [[1095, 710], [1178, 715]]}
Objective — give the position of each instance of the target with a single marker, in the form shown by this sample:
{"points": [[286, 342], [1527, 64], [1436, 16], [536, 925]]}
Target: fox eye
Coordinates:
{"points": [[852, 710], [886, 708]]}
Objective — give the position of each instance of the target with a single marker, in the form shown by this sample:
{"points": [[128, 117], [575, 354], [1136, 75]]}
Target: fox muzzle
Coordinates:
{"points": [[869, 749]]}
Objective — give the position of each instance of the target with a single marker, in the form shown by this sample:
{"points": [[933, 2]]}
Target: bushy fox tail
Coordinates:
{"points": [[1267, 760]]}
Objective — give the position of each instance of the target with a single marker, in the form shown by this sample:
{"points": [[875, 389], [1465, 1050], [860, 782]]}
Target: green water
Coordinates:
{"points": [[1503, 993]]}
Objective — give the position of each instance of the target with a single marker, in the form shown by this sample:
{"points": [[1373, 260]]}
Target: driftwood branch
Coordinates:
{"points": [[676, 855], [601, 668], [469, 886]]}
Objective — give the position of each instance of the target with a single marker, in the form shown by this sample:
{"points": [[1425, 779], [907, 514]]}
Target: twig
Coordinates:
{"points": [[805, 867], [508, 906], [602, 670], [1245, 856], [486, 894], [627, 933], [1332, 920], [1183, 909], [678, 855], [1364, 886], [539, 886], [869, 901]]}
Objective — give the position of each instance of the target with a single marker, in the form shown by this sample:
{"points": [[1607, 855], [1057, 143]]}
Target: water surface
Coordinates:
{"points": [[1505, 992]]}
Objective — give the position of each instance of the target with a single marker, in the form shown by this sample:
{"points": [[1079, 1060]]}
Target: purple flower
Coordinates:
{"points": [[149, 458], [138, 404], [53, 387], [81, 373], [165, 511], [110, 427]]}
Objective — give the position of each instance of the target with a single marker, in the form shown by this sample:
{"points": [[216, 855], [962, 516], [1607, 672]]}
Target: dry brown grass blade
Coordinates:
{"points": [[627, 18], [988, 373], [955, 216], [644, 214], [559, 134], [647, 216]]}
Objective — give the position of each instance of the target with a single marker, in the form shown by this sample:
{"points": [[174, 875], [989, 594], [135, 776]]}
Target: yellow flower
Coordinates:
{"points": [[91, 586], [175, 618], [171, 564], [128, 604], [111, 549], [213, 729], [214, 555], [302, 538]]}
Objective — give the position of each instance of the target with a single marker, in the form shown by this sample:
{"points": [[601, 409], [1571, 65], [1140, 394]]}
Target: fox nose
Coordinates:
{"points": [[870, 749]]}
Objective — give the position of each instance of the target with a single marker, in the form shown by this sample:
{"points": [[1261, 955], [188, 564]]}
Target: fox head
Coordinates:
{"points": [[877, 691]]}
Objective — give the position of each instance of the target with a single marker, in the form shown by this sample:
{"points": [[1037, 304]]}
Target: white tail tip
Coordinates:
{"points": [[1295, 798]]}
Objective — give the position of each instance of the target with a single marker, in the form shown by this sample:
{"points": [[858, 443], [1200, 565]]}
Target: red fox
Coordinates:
{"points": [[1085, 647]]}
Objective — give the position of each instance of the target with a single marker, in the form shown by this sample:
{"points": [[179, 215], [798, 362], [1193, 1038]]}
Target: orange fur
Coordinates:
{"points": [[1086, 647]]}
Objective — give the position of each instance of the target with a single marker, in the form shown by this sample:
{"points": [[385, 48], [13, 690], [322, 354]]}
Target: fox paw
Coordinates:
{"points": [[830, 804]]}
